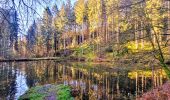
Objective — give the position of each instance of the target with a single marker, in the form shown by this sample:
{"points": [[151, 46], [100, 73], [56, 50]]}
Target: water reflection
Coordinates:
{"points": [[95, 82]]}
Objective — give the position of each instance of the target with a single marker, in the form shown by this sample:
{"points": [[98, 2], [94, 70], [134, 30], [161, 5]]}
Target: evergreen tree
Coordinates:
{"points": [[47, 25], [14, 29]]}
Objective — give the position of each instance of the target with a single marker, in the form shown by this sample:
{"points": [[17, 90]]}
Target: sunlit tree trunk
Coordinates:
{"points": [[153, 36], [142, 82], [118, 27], [136, 84], [55, 42], [142, 35], [97, 44], [104, 20], [168, 32], [74, 37], [117, 85], [64, 44], [82, 34], [136, 34]]}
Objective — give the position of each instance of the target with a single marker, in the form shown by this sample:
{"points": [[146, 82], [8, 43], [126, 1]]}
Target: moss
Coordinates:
{"points": [[64, 93], [32, 94], [60, 92]]}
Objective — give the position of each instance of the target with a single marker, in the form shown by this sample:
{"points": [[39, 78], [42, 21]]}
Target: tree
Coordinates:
{"points": [[55, 10], [31, 36], [60, 23], [14, 29], [80, 15], [47, 24]]}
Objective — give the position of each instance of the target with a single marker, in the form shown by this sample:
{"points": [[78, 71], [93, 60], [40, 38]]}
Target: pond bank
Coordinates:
{"points": [[48, 92], [30, 59], [54, 58]]}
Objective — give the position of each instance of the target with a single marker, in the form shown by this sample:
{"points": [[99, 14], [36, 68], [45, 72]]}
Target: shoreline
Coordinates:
{"points": [[59, 59]]}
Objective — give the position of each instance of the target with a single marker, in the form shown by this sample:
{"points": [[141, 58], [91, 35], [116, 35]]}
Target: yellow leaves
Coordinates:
{"points": [[153, 8], [93, 13], [123, 26], [147, 74], [79, 11], [61, 19], [132, 46], [153, 11]]}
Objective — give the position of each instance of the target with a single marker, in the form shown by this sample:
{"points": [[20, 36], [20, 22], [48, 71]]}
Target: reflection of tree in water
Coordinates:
{"points": [[106, 85], [43, 72], [8, 75], [30, 71], [93, 81]]}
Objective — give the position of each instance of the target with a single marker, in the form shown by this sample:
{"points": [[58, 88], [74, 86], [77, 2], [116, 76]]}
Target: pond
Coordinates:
{"points": [[94, 81]]}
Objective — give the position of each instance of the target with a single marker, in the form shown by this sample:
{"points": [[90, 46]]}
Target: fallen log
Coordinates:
{"points": [[31, 59]]}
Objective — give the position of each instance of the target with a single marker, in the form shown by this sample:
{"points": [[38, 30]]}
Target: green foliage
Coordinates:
{"points": [[32, 94], [64, 93], [85, 51]]}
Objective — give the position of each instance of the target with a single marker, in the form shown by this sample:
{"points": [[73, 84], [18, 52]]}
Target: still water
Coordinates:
{"points": [[94, 81]]}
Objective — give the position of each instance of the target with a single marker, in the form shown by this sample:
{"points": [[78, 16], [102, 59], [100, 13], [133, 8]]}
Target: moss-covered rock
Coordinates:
{"points": [[48, 92]]}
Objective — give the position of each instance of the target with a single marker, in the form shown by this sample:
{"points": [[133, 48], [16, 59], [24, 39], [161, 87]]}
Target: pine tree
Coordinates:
{"points": [[31, 35], [14, 29], [47, 24]]}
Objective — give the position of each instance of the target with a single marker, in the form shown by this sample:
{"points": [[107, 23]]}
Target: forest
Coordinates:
{"points": [[115, 34]]}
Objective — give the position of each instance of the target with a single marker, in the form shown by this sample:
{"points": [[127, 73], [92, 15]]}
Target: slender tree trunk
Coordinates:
{"points": [[142, 35], [82, 38], [74, 37], [136, 34], [118, 30], [82, 34], [98, 38], [168, 31], [55, 43], [64, 40], [153, 36]]}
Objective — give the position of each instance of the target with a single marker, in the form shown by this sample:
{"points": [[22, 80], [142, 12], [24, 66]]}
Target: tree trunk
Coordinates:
{"points": [[168, 31], [136, 34], [142, 35], [55, 42], [64, 45]]}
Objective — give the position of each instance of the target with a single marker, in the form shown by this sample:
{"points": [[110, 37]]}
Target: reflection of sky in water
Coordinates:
{"points": [[21, 84], [100, 82]]}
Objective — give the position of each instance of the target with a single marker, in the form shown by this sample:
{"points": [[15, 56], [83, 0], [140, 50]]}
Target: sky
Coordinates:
{"points": [[50, 4], [35, 10], [41, 8]]}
